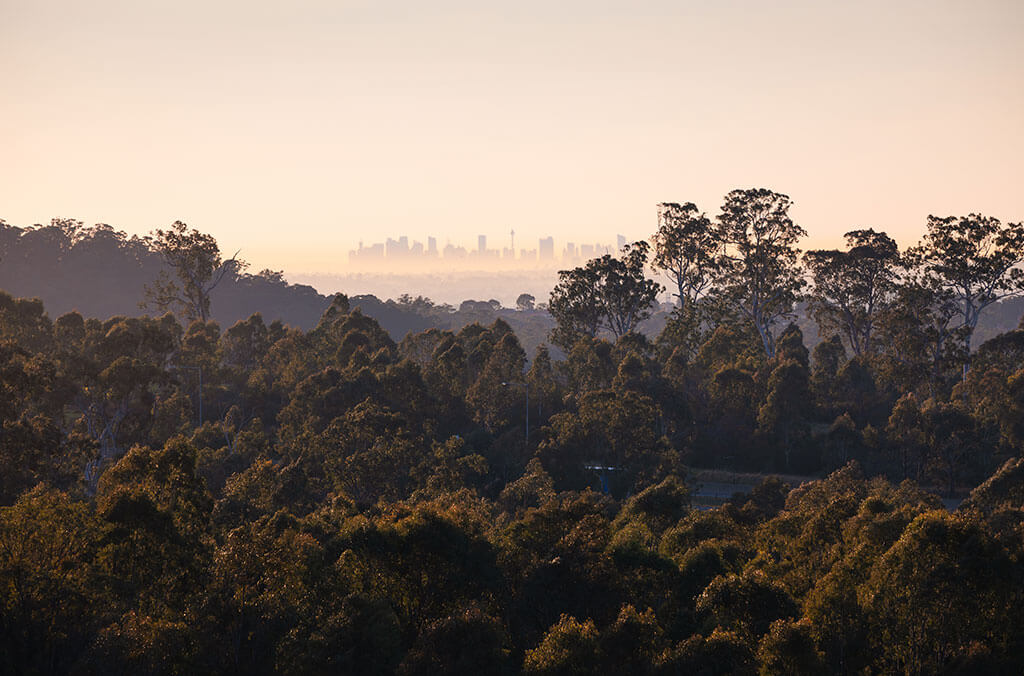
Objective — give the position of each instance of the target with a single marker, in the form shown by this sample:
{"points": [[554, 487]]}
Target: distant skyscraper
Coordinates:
{"points": [[546, 247], [451, 251], [620, 242], [432, 246], [398, 248], [481, 243]]}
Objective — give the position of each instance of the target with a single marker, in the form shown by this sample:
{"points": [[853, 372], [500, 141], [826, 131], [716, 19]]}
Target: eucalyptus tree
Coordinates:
{"points": [[759, 271], [606, 293], [575, 305], [921, 335], [975, 260], [627, 296], [195, 260], [850, 287], [685, 248]]}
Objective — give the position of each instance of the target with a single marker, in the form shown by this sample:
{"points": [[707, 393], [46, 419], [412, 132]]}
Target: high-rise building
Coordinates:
{"points": [[398, 248], [451, 251], [546, 247], [365, 252], [431, 246], [620, 242], [481, 244]]}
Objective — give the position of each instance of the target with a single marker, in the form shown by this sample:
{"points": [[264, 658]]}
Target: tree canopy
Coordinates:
{"points": [[735, 499]]}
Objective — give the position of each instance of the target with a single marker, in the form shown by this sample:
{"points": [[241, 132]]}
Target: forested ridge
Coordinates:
{"points": [[181, 498], [101, 272]]}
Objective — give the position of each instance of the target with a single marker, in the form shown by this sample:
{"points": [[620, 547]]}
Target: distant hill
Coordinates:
{"points": [[102, 272]]}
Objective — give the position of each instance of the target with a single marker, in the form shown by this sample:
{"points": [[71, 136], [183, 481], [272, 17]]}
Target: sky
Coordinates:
{"points": [[294, 130]]}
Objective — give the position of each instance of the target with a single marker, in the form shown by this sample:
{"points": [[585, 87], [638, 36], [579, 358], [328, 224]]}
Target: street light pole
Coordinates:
{"points": [[526, 386]]}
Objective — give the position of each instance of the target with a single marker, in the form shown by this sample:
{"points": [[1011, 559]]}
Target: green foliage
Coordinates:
{"points": [[852, 286], [747, 603], [633, 642], [789, 648], [1002, 490], [612, 433], [685, 246], [466, 643], [759, 267], [786, 411], [718, 654], [940, 587], [569, 647], [24, 323], [975, 260], [657, 507], [50, 586], [346, 504], [607, 293], [194, 260]]}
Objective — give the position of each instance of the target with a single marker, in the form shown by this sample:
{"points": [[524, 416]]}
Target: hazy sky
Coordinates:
{"points": [[291, 130]]}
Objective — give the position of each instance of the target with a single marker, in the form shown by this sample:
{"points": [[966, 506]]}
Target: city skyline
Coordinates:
{"points": [[287, 130], [427, 255]]}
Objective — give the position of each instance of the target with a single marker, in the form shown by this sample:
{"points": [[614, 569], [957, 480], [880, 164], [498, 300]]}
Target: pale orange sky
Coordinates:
{"points": [[291, 130]]}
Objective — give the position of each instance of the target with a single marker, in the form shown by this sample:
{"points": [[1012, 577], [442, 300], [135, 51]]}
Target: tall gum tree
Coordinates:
{"points": [[975, 260], [760, 274], [607, 293], [851, 286], [685, 248], [626, 294], [194, 259], [575, 305]]}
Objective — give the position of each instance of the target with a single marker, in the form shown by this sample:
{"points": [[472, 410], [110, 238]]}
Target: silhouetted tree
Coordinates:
{"points": [[608, 292], [685, 249], [975, 260], [851, 286], [195, 261], [760, 274]]}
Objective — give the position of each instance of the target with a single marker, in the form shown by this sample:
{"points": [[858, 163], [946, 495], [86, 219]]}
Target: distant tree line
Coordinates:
{"points": [[102, 272]]}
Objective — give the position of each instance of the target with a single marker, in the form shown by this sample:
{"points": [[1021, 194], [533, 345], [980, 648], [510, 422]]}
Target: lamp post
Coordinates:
{"points": [[526, 386], [199, 370]]}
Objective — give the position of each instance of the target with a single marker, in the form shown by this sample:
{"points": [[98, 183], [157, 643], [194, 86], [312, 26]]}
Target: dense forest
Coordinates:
{"points": [[178, 497]]}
